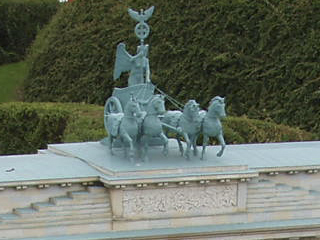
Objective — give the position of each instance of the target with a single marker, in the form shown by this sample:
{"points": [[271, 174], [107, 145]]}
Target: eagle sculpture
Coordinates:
{"points": [[143, 16]]}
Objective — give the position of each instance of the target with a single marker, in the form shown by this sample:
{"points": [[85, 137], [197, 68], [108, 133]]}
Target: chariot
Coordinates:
{"points": [[121, 96]]}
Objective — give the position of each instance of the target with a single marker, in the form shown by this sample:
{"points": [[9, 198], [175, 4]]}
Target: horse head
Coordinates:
{"points": [[191, 109], [132, 108], [217, 107], [156, 105]]}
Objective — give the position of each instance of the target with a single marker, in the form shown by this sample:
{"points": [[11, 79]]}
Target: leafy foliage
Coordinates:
{"points": [[261, 54], [26, 127], [20, 20], [85, 123], [243, 130]]}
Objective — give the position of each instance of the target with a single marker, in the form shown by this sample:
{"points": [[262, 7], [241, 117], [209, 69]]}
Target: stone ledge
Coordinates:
{"points": [[165, 181], [261, 230], [46, 183]]}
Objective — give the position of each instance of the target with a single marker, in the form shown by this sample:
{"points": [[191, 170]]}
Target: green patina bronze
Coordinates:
{"points": [[137, 117]]}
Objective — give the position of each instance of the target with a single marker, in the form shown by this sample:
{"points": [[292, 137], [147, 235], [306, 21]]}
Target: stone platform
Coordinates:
{"points": [[79, 191]]}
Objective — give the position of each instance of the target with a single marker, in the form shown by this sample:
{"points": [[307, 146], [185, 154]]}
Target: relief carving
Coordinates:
{"points": [[201, 200]]}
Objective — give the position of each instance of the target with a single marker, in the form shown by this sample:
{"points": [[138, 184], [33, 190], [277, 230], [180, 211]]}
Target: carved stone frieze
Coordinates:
{"points": [[180, 201]]}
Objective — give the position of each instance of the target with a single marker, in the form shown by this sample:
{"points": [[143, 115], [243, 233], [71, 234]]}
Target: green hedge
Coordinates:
{"points": [[20, 21], [26, 127], [261, 54], [243, 130]]}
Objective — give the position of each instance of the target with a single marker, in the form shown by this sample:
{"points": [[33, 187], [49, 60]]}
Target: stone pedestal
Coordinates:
{"points": [[79, 191]]}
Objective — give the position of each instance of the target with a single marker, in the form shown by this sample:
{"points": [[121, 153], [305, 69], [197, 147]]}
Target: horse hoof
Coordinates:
{"points": [[219, 154], [181, 153], [165, 153]]}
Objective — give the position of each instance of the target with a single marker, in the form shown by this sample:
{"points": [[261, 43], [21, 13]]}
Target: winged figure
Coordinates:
{"points": [[143, 16], [138, 65]]}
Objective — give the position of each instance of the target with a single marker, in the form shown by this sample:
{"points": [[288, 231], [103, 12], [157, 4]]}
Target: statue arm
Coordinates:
{"points": [[147, 71], [139, 55]]}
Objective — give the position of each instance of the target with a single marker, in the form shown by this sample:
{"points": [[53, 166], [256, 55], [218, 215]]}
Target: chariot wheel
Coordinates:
{"points": [[112, 105]]}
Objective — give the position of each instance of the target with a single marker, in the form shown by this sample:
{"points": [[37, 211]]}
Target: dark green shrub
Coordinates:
{"points": [[85, 123], [261, 54], [20, 21], [24, 128], [243, 130]]}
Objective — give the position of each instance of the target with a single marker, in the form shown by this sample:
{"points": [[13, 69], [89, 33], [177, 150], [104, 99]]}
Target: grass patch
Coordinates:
{"points": [[11, 78]]}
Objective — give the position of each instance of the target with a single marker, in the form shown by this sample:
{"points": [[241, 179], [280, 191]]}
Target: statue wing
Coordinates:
{"points": [[135, 15], [123, 61], [148, 13]]}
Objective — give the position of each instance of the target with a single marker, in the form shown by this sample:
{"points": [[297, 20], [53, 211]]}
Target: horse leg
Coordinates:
{"points": [[124, 147], [187, 152], [204, 144], [130, 141], [194, 145], [222, 143], [165, 144], [110, 144], [180, 145], [145, 146]]}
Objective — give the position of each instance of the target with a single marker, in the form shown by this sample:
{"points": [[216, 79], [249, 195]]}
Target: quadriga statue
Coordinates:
{"points": [[139, 124]]}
